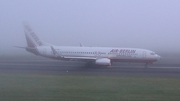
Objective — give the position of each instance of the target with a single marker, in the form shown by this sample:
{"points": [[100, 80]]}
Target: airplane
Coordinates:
{"points": [[103, 56]]}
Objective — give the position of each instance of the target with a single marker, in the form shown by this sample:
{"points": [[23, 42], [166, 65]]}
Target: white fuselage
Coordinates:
{"points": [[93, 53]]}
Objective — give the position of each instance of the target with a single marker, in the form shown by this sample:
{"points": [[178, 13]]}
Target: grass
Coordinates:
{"points": [[39, 87]]}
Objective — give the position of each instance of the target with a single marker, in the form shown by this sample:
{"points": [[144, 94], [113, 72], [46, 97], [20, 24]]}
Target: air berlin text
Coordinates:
{"points": [[122, 51]]}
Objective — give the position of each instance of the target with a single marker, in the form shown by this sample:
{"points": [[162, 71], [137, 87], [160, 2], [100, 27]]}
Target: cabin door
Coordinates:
{"points": [[144, 54]]}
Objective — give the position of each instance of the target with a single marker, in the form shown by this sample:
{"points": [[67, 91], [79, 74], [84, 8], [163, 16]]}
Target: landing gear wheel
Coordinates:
{"points": [[146, 65]]}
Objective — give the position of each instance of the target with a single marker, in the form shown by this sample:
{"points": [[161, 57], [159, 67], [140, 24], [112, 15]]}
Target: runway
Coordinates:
{"points": [[78, 68]]}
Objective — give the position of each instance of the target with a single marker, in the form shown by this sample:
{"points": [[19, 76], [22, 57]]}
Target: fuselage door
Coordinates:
{"points": [[144, 54], [97, 53]]}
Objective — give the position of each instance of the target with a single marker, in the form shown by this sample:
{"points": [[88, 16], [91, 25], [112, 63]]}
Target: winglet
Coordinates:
{"points": [[81, 45]]}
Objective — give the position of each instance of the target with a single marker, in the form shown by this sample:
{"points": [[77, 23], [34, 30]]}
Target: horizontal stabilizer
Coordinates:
{"points": [[25, 47], [20, 47]]}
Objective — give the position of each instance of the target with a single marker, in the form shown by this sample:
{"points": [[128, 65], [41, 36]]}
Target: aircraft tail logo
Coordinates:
{"points": [[31, 38]]}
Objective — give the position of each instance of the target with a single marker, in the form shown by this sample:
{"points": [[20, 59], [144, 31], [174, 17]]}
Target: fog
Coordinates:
{"points": [[148, 24]]}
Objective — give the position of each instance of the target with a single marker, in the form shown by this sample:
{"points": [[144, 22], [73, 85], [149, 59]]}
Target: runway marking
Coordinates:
{"points": [[138, 67], [5, 64], [71, 65]]}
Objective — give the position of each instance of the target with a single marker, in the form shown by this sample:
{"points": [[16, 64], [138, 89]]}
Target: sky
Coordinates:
{"points": [[148, 24]]}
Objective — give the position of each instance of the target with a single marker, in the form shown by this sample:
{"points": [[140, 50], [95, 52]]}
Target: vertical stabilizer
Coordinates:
{"points": [[31, 38]]}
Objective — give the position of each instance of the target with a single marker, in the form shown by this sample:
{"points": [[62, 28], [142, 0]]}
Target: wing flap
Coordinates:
{"points": [[87, 58]]}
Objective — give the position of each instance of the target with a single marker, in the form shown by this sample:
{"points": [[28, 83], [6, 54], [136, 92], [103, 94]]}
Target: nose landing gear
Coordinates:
{"points": [[147, 65]]}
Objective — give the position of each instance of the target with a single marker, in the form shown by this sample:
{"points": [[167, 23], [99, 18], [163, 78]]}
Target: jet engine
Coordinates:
{"points": [[103, 61]]}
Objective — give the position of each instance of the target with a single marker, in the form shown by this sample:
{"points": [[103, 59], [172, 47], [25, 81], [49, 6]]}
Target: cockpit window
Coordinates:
{"points": [[152, 53]]}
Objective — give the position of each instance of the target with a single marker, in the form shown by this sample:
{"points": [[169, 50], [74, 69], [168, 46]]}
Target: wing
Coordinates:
{"points": [[79, 58]]}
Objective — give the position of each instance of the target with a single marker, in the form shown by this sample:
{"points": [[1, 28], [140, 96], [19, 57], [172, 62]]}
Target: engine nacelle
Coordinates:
{"points": [[103, 61]]}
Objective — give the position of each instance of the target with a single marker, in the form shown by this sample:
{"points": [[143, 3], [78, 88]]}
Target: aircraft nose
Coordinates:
{"points": [[159, 57]]}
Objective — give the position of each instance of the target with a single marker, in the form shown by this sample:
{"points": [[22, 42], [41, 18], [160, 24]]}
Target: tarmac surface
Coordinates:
{"points": [[78, 68]]}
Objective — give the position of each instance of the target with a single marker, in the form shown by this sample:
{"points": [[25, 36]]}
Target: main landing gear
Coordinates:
{"points": [[147, 65]]}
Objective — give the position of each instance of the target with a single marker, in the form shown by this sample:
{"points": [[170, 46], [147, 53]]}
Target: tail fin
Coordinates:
{"points": [[31, 38]]}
